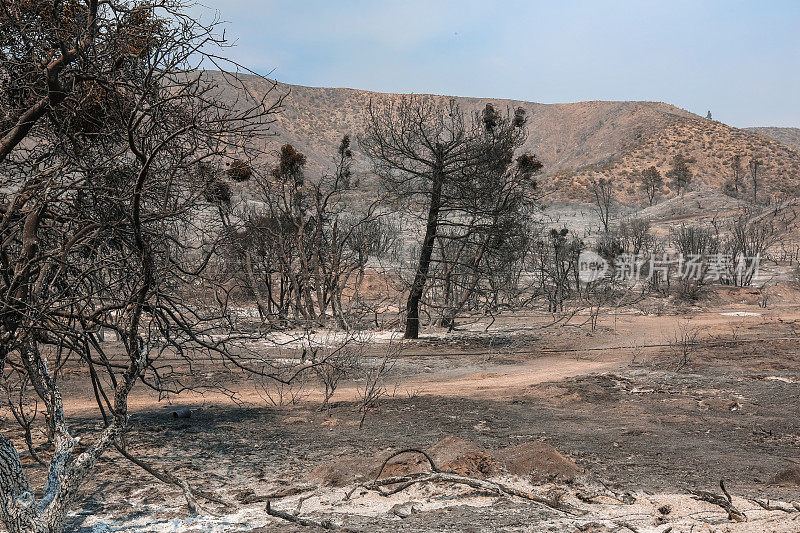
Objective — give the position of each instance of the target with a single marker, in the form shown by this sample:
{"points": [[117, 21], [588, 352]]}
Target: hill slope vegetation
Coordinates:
{"points": [[577, 142]]}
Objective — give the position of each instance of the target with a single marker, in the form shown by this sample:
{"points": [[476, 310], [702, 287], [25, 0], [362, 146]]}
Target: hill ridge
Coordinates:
{"points": [[576, 141]]}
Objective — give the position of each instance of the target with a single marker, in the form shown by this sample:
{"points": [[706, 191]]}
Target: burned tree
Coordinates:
{"points": [[695, 244], [753, 167], [680, 175], [480, 265], [555, 263], [602, 194], [735, 183], [652, 183], [105, 123], [749, 236], [488, 229], [437, 156], [301, 247]]}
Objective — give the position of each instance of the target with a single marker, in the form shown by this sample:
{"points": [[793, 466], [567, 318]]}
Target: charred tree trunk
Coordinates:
{"points": [[421, 277], [20, 512], [263, 304]]}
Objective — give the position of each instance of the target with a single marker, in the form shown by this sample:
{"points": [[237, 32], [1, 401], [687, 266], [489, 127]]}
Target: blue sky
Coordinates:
{"points": [[740, 59]]}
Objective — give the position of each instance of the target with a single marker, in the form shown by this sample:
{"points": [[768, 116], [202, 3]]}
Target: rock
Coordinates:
{"points": [[248, 497], [595, 527], [406, 509], [789, 476], [720, 404], [183, 412]]}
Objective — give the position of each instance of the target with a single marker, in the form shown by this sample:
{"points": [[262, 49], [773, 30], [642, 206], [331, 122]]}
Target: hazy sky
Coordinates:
{"points": [[740, 59]]}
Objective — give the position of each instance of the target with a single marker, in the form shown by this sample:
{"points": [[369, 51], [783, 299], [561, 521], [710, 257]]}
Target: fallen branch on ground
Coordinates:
{"points": [[404, 451], [626, 525], [590, 497], [438, 476], [767, 506], [726, 502], [170, 479], [307, 522], [623, 497], [488, 486], [289, 491]]}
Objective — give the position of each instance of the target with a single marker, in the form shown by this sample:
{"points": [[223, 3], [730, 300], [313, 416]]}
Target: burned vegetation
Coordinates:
{"points": [[418, 334]]}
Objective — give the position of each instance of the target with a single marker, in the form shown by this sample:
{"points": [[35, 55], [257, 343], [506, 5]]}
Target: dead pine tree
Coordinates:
{"points": [[433, 154]]}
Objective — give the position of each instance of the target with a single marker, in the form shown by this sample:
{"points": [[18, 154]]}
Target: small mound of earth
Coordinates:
{"points": [[736, 295], [539, 461], [789, 476], [534, 460], [343, 471], [450, 454], [463, 457]]}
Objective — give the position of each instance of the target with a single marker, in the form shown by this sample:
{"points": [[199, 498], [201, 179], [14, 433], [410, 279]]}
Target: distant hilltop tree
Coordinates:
{"points": [[708, 116]]}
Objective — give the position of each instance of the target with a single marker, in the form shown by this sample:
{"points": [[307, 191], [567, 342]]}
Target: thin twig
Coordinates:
{"points": [[166, 477], [307, 522]]}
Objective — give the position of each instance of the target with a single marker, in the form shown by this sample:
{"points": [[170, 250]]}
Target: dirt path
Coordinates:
{"points": [[504, 382], [433, 366]]}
